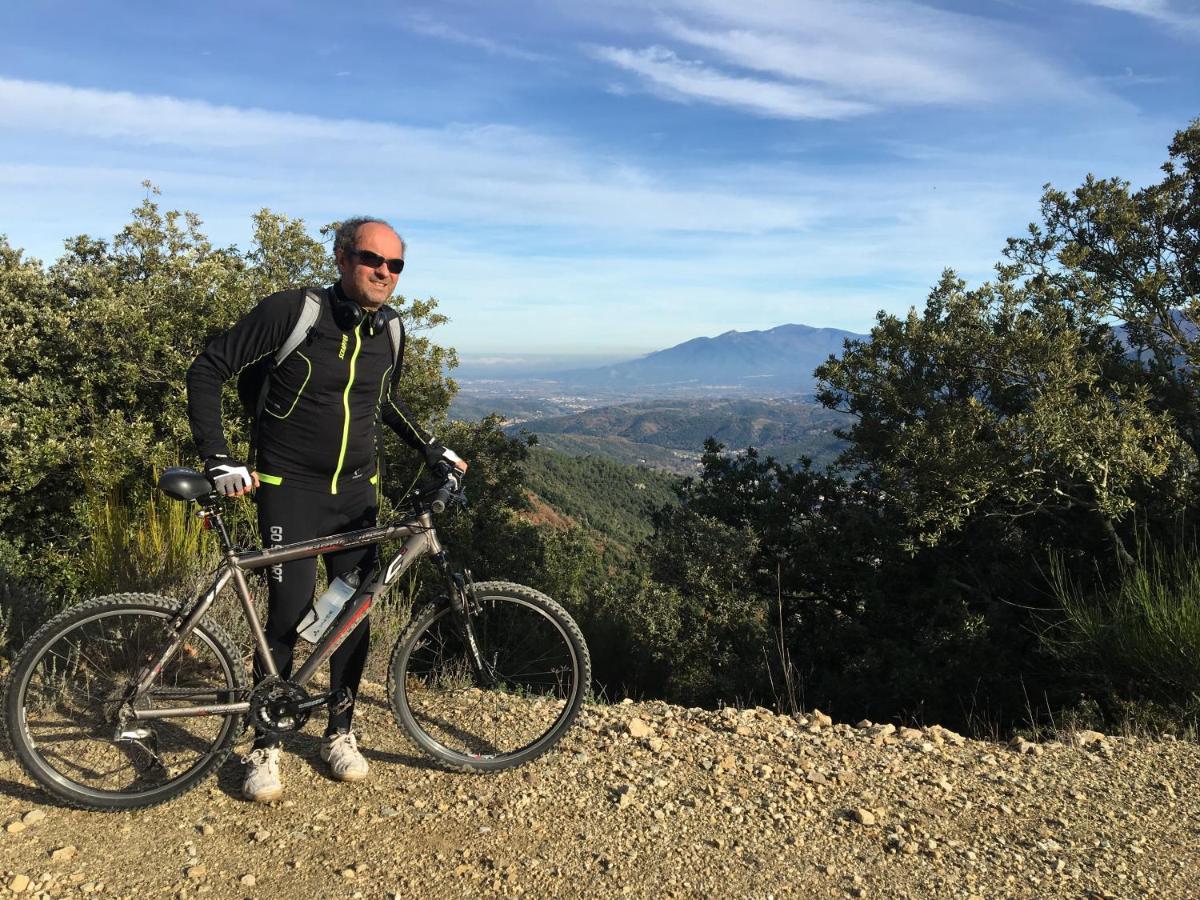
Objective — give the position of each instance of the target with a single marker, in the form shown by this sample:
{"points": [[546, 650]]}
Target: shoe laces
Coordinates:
{"points": [[264, 756], [344, 739]]}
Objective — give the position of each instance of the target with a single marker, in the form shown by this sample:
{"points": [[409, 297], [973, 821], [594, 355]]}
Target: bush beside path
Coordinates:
{"points": [[651, 800]]}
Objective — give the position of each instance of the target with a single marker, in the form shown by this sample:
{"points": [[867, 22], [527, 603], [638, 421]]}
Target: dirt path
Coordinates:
{"points": [[649, 800]]}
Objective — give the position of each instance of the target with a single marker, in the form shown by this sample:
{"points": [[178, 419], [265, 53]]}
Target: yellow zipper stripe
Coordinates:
{"points": [[346, 406]]}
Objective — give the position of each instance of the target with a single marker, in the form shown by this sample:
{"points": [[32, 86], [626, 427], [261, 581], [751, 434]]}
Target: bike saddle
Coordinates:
{"points": [[184, 484]]}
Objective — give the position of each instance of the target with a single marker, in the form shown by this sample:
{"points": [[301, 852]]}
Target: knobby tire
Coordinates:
{"points": [[539, 670], [61, 696]]}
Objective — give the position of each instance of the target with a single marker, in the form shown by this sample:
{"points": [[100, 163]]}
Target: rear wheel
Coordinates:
{"points": [[65, 695], [537, 671]]}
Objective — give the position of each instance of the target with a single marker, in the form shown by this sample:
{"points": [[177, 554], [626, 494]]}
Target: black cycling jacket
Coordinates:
{"points": [[324, 401]]}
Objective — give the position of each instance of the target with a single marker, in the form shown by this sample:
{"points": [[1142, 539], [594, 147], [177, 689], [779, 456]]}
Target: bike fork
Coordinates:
{"points": [[462, 603]]}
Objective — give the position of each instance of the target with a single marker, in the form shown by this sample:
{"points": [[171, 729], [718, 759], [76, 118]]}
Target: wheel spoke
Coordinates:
{"points": [[66, 695], [537, 665]]}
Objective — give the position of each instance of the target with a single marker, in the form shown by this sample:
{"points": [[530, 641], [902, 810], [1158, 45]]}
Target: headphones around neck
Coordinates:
{"points": [[349, 315]]}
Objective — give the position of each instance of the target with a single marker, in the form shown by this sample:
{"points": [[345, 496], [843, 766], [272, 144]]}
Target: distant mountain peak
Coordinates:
{"points": [[775, 361]]}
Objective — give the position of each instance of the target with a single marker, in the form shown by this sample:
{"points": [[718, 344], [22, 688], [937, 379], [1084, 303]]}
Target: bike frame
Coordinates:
{"points": [[420, 540]]}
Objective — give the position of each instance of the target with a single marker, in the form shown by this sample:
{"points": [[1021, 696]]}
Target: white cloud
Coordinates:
{"points": [[681, 79], [480, 173], [1164, 12], [837, 58], [890, 72], [428, 26]]}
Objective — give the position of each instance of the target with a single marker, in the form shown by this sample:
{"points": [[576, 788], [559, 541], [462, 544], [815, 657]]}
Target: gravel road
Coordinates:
{"points": [[650, 800]]}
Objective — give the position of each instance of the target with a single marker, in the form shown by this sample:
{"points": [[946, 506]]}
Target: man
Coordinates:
{"points": [[316, 467]]}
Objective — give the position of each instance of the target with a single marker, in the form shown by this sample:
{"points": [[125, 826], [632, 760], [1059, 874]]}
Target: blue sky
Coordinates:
{"points": [[606, 177]]}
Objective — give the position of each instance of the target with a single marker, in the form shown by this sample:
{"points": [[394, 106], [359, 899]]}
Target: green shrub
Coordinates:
{"points": [[1141, 635], [23, 609], [153, 545]]}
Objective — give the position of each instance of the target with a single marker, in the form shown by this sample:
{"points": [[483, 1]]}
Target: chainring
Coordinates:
{"points": [[275, 706]]}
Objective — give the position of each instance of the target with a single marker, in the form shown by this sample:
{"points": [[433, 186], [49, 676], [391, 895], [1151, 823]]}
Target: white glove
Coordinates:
{"points": [[454, 459], [435, 454], [228, 476]]}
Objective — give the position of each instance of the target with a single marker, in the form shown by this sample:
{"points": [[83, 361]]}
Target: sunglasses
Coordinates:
{"points": [[374, 261]]}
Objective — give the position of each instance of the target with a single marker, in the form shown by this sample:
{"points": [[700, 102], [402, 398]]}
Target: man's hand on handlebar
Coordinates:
{"points": [[229, 476], [454, 459], [450, 490]]}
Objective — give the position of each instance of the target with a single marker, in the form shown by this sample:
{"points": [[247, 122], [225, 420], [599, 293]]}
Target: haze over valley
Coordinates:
{"points": [[743, 389]]}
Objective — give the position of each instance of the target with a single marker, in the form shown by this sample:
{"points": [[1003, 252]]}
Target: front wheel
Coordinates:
{"points": [[65, 699], [536, 670]]}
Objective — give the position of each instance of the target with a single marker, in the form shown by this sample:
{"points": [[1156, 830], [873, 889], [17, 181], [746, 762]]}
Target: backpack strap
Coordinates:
{"points": [[310, 315], [395, 329]]}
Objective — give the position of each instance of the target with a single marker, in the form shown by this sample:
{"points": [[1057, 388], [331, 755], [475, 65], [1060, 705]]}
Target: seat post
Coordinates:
{"points": [[211, 512]]}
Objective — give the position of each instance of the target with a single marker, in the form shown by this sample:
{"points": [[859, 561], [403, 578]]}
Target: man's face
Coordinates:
{"points": [[370, 288]]}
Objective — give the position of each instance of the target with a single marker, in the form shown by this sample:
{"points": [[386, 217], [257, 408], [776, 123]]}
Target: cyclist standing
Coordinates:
{"points": [[316, 469]]}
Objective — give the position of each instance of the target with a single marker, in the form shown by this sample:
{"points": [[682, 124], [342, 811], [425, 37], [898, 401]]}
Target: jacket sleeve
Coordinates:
{"points": [[257, 334], [400, 418]]}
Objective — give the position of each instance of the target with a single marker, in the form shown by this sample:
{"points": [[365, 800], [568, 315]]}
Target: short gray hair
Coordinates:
{"points": [[345, 238]]}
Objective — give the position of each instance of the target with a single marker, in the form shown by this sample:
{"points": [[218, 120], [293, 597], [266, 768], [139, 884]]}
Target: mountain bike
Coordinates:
{"points": [[129, 700]]}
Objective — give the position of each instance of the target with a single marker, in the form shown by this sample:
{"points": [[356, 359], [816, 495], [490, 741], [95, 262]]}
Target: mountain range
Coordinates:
{"points": [[777, 361], [772, 363], [743, 388]]}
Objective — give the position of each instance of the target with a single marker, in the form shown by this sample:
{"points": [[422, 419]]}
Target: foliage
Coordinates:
{"points": [[700, 620], [1003, 402], [1134, 256], [23, 609], [1013, 421], [1139, 634], [153, 545], [614, 500]]}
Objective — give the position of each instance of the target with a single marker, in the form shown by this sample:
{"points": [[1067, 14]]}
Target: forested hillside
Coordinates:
{"points": [[615, 500], [622, 450], [787, 429]]}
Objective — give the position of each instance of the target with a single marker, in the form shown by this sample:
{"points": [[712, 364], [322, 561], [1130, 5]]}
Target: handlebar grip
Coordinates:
{"points": [[443, 495]]}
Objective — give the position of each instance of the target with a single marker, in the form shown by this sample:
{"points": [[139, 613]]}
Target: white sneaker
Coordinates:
{"points": [[262, 784], [341, 752]]}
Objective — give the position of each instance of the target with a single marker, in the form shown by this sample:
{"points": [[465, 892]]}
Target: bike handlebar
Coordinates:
{"points": [[189, 484], [449, 488]]}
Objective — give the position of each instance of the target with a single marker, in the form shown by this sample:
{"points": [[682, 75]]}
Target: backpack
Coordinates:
{"points": [[254, 381]]}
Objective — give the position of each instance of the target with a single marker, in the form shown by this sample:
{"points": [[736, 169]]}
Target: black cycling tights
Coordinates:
{"points": [[287, 514]]}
